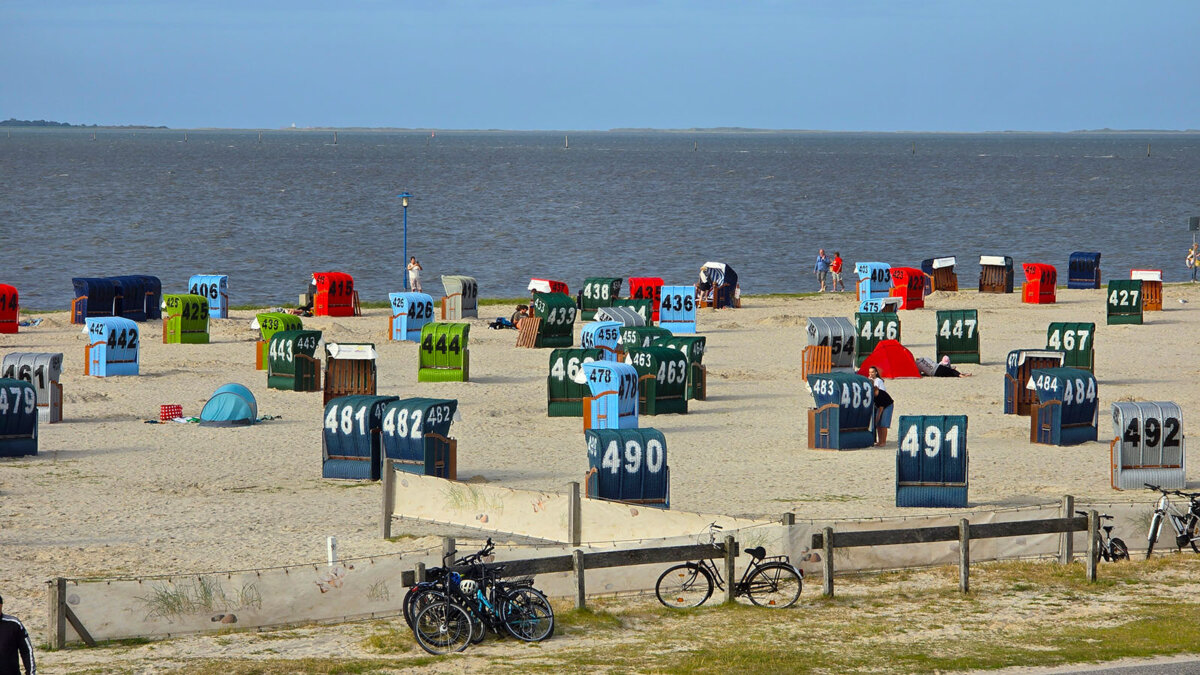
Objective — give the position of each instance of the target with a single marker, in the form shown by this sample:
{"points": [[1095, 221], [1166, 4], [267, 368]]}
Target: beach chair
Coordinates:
{"points": [[817, 359]]}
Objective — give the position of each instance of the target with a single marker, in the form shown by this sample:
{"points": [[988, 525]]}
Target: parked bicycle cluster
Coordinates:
{"points": [[450, 610]]}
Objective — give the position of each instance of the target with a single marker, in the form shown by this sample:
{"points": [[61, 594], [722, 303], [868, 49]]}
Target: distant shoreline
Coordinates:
{"points": [[45, 124]]}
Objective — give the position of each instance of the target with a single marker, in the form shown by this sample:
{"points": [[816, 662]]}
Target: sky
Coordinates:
{"points": [[917, 65]]}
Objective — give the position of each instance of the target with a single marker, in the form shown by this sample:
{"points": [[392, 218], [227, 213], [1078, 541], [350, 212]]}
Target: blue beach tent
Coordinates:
{"points": [[232, 404]]}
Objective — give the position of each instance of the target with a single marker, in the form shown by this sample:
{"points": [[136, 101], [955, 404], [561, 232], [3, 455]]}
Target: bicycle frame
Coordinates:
{"points": [[740, 587]]}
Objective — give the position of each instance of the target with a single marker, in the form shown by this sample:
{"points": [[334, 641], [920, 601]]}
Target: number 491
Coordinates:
{"points": [[933, 441]]}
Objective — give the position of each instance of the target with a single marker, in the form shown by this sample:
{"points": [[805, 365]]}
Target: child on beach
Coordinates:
{"points": [[835, 269], [1193, 260]]}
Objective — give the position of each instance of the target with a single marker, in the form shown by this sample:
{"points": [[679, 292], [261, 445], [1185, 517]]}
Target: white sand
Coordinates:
{"points": [[109, 494]]}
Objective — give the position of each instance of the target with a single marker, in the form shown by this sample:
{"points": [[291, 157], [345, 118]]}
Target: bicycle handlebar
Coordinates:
{"points": [[474, 558], [1102, 516], [1190, 495]]}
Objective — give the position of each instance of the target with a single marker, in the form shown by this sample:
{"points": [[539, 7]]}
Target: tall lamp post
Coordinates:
{"points": [[404, 197]]}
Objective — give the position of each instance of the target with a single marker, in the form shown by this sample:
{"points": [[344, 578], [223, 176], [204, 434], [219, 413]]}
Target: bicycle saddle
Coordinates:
{"points": [[758, 552]]}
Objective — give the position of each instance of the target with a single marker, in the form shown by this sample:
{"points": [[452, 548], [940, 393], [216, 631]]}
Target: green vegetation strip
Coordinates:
{"points": [[1023, 614]]}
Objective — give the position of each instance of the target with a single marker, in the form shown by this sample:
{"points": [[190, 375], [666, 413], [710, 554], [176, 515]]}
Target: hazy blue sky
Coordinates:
{"points": [[954, 65]]}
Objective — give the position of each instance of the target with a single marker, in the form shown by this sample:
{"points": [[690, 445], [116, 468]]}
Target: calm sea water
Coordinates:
{"points": [[506, 206]]}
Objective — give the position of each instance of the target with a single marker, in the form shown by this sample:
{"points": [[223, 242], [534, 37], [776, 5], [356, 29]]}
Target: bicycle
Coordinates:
{"points": [[512, 607], [1186, 525], [442, 626], [1110, 548], [769, 581]]}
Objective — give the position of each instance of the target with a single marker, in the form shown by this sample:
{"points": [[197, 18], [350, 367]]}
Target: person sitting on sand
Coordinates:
{"points": [[944, 369]]}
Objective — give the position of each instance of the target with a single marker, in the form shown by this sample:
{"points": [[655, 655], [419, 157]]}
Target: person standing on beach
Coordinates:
{"points": [[835, 269], [15, 647], [883, 407], [1193, 259], [822, 269], [414, 274]]}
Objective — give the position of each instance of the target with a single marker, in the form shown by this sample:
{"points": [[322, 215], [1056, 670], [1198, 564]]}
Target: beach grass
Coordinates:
{"points": [[1018, 614]]}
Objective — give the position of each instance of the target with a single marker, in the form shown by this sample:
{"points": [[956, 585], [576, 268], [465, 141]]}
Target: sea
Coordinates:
{"points": [[270, 208]]}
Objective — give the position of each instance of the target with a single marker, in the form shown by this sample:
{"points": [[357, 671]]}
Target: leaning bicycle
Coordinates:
{"points": [[1109, 548], [769, 581], [1186, 524]]}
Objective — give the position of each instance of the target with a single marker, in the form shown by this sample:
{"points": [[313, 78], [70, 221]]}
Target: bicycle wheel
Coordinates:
{"points": [[527, 614], [684, 585], [1119, 550], [478, 630], [442, 628], [1152, 536], [1191, 533], [416, 600], [775, 585]]}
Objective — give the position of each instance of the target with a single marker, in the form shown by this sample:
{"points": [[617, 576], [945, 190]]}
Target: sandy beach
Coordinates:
{"points": [[110, 494]]}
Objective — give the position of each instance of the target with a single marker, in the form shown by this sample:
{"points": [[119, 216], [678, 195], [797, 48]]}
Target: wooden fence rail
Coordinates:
{"points": [[828, 540], [578, 562]]}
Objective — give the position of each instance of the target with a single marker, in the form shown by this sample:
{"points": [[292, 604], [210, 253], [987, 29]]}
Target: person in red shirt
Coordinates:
{"points": [[835, 268]]}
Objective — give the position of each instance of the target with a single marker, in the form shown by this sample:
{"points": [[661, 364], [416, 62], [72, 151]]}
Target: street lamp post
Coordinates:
{"points": [[404, 197]]}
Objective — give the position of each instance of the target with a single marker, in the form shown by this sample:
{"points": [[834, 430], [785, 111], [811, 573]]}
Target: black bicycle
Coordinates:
{"points": [[1109, 548], [769, 581]]}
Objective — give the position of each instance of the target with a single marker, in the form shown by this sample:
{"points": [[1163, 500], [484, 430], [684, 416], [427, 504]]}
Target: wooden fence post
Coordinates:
{"points": [[1093, 539], [580, 599], [574, 516], [56, 627], [420, 571], [827, 559], [448, 550], [964, 555], [730, 552], [389, 496], [1066, 547]]}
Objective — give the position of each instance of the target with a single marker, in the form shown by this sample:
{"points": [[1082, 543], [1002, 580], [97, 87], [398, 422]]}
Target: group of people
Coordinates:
{"points": [[1193, 259], [827, 267]]}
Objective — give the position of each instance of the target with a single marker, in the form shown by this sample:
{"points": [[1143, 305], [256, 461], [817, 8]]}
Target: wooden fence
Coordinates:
{"points": [[578, 562], [828, 540]]}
